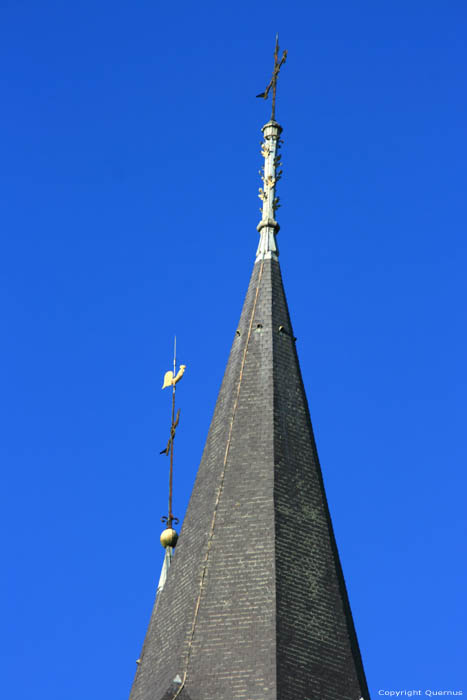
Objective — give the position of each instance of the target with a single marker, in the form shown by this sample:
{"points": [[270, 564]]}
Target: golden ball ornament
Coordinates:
{"points": [[169, 537]]}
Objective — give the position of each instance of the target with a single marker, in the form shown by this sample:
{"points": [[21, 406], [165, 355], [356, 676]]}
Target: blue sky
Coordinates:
{"points": [[128, 206]]}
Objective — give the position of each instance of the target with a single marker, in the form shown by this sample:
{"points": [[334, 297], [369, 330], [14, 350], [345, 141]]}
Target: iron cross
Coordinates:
{"points": [[275, 75]]}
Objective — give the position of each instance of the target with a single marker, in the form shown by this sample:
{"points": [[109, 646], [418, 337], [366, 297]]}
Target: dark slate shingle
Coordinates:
{"points": [[255, 605]]}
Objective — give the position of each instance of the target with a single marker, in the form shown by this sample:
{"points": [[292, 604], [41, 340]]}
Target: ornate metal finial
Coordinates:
{"points": [[275, 75], [271, 172], [169, 536]]}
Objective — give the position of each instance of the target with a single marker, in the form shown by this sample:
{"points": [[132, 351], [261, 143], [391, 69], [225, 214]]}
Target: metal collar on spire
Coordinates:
{"points": [[270, 175]]}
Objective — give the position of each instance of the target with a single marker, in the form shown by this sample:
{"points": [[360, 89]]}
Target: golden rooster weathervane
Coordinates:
{"points": [[275, 75], [171, 378]]}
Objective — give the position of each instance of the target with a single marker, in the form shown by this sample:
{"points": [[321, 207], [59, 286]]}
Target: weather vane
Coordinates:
{"points": [[275, 75], [171, 378]]}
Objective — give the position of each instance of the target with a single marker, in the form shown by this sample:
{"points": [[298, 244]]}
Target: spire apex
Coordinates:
{"points": [[271, 172], [273, 81]]}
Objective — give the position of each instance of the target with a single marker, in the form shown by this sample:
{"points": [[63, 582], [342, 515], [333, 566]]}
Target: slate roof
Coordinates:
{"points": [[255, 605]]}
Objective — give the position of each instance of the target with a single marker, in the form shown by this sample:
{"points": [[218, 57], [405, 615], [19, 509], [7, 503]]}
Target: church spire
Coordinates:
{"points": [[255, 606]]}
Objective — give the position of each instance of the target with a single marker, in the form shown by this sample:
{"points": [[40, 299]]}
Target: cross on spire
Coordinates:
{"points": [[275, 75]]}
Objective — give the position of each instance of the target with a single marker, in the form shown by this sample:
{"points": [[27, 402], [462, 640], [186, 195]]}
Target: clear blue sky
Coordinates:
{"points": [[130, 154]]}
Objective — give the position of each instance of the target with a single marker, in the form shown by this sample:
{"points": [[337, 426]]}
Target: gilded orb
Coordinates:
{"points": [[169, 537]]}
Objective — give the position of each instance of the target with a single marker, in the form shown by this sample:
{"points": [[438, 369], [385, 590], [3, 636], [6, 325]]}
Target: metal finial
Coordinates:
{"points": [[275, 75], [171, 378], [271, 172]]}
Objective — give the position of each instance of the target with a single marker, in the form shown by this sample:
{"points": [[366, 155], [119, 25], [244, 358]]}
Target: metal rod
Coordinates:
{"points": [[172, 435], [274, 79], [172, 431]]}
